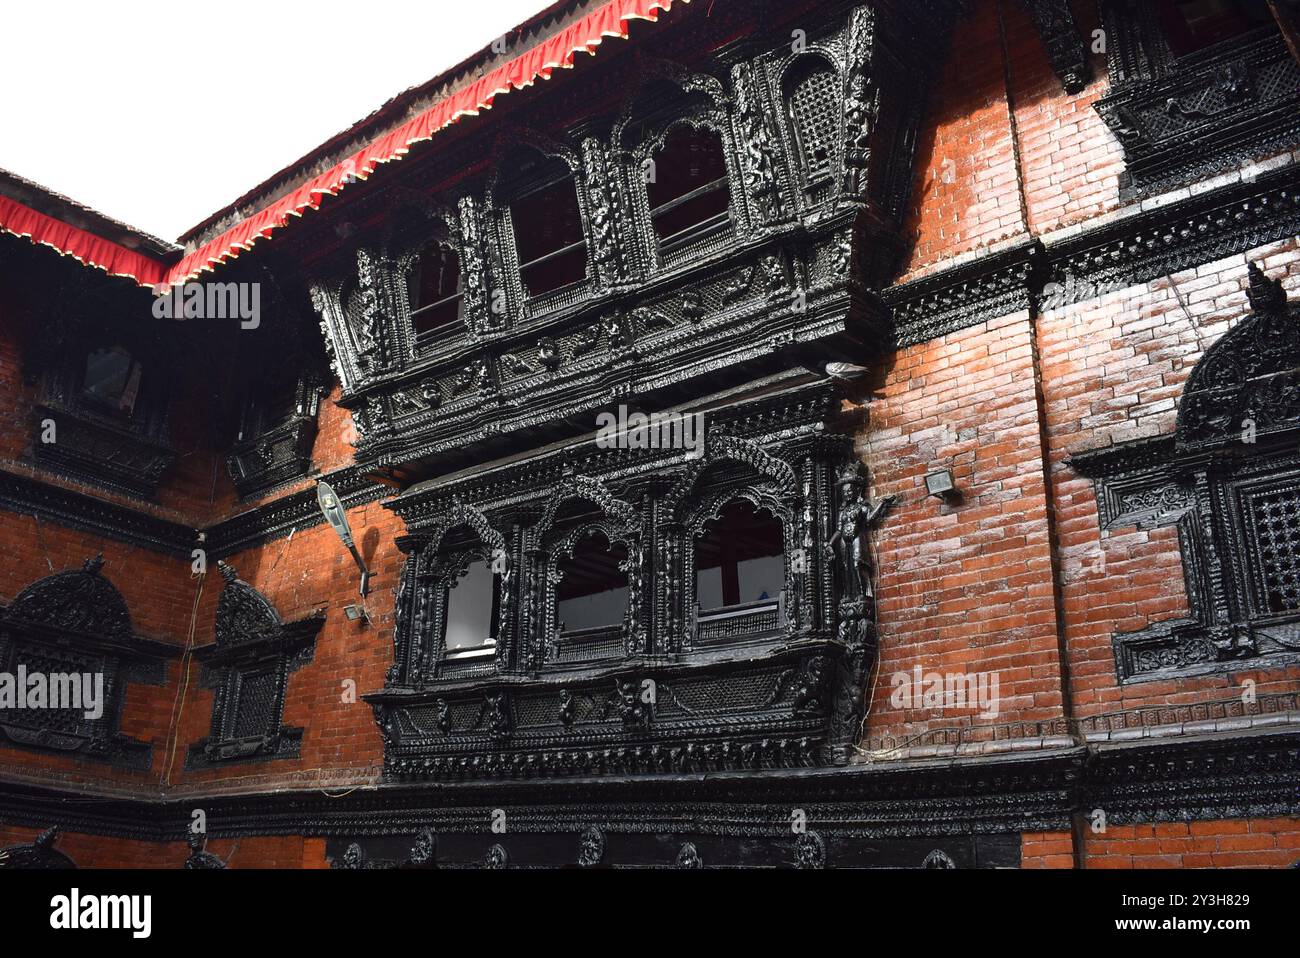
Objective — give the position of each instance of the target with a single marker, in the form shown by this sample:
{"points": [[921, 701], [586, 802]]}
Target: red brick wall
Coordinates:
{"points": [[1047, 850], [1232, 843], [964, 587], [300, 575]]}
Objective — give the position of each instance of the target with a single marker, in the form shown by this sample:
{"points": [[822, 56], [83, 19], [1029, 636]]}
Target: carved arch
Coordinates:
{"points": [[76, 600], [650, 70], [592, 490], [618, 526], [507, 144], [722, 448], [1250, 378], [463, 514]]}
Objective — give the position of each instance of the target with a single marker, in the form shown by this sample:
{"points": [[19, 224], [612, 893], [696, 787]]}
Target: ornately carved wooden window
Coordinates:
{"points": [[814, 102], [550, 244], [688, 196], [73, 631], [461, 604], [248, 667], [434, 293], [1196, 86], [107, 400], [739, 574], [591, 598], [277, 427]]}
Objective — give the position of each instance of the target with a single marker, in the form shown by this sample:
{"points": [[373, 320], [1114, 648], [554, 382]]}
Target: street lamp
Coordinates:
{"points": [[332, 508]]}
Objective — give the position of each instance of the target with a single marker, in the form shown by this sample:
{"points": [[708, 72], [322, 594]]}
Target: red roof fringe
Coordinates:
{"points": [[583, 35]]}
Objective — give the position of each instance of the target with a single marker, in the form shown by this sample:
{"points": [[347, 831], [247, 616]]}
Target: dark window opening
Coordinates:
{"points": [[688, 191], [740, 558], [473, 605], [592, 592], [549, 239], [1192, 25], [111, 380], [269, 405], [434, 292]]}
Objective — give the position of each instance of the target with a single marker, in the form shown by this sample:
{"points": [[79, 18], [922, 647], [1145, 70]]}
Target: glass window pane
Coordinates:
{"points": [[469, 609]]}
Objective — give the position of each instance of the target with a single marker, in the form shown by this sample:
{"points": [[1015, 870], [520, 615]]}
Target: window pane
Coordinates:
{"points": [[593, 591], [433, 283], [112, 378], [469, 609], [739, 559]]}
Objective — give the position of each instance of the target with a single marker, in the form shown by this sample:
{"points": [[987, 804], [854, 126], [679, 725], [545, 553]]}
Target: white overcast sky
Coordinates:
{"points": [[161, 112]]}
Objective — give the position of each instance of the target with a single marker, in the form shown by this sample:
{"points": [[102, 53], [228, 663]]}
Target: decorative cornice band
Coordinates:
{"points": [[1173, 237], [1245, 774], [86, 513], [1086, 265], [964, 295], [77, 510]]}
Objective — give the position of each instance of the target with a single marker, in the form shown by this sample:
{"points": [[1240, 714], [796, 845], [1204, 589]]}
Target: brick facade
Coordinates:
{"points": [[1016, 577]]}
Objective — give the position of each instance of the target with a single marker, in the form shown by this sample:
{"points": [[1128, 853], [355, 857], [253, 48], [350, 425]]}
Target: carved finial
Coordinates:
{"points": [[93, 565], [1265, 295], [227, 571]]}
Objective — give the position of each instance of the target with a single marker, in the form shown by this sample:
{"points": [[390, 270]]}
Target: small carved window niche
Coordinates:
{"points": [[102, 417], [276, 431], [248, 666], [814, 105], [1197, 86], [1229, 480], [70, 635]]}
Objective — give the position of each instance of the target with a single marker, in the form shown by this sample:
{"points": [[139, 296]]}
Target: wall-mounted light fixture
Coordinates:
{"points": [[940, 485], [358, 611], [332, 508]]}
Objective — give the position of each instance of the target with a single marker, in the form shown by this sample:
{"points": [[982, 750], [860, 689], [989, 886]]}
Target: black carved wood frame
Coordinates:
{"points": [[1182, 118], [1229, 480], [252, 644], [76, 621]]}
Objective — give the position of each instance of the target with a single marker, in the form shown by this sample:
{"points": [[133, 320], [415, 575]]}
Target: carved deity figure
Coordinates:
{"points": [[857, 514]]}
